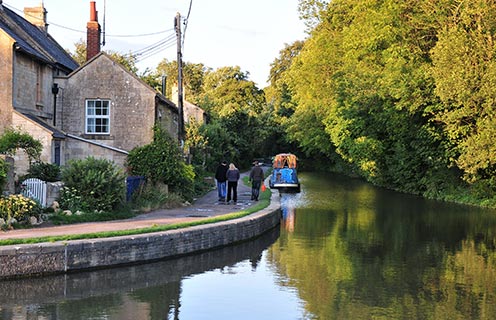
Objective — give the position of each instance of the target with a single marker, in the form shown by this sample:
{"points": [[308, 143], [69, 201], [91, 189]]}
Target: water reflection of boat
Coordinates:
{"points": [[288, 217], [289, 203], [284, 176]]}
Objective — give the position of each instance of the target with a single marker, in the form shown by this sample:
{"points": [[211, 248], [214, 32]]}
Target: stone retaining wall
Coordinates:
{"points": [[60, 257], [79, 286]]}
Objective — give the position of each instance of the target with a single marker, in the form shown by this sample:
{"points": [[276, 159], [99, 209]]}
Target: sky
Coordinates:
{"points": [[217, 33]]}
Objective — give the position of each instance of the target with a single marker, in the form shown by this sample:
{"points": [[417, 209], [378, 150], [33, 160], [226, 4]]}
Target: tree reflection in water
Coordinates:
{"points": [[354, 252], [359, 252]]}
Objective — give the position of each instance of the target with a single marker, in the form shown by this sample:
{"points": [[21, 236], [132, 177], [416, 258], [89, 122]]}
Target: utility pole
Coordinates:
{"points": [[180, 104]]}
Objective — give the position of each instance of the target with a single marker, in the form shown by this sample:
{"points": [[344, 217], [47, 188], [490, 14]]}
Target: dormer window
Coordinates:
{"points": [[97, 116]]}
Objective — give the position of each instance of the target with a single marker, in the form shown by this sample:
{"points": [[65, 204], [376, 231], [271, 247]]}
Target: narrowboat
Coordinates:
{"points": [[284, 176]]}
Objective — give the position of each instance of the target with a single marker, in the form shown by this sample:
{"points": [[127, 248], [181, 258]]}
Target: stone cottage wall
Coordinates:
{"points": [[6, 53], [37, 132], [77, 149], [132, 103]]}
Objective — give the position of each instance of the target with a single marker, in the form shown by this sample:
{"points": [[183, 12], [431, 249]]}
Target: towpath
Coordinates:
{"points": [[204, 207]]}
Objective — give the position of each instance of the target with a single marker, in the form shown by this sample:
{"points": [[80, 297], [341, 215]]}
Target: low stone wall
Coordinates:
{"points": [[60, 257]]}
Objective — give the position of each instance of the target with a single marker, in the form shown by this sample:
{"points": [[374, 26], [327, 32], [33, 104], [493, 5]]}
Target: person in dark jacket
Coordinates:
{"points": [[220, 176], [256, 178], [232, 176]]}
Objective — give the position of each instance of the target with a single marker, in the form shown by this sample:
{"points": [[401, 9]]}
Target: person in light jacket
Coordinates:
{"points": [[232, 176]]}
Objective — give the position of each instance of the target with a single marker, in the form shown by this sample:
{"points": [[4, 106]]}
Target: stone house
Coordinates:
{"points": [[107, 111], [98, 109], [29, 60]]}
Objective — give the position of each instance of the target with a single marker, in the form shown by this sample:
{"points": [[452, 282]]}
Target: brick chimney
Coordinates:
{"points": [[37, 16], [93, 32]]}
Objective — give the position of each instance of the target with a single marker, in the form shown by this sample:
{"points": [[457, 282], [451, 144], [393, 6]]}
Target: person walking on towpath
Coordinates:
{"points": [[232, 176], [220, 176], [256, 178]]}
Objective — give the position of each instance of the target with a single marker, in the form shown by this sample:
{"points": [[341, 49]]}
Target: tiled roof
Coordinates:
{"points": [[33, 41], [55, 132]]}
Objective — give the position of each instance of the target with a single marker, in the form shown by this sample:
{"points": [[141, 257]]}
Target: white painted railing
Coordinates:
{"points": [[35, 189]]}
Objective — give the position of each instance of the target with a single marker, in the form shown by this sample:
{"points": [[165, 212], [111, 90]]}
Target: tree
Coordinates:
{"points": [[279, 93], [227, 90], [235, 104], [361, 89], [79, 54], [311, 12], [193, 75], [161, 161], [464, 67]]}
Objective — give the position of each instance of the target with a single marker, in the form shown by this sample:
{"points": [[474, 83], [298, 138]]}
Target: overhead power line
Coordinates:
{"points": [[84, 31], [162, 42], [139, 35], [141, 54], [145, 53], [186, 21]]}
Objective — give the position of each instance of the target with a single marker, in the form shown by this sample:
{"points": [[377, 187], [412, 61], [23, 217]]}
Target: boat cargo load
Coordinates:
{"points": [[284, 176]]}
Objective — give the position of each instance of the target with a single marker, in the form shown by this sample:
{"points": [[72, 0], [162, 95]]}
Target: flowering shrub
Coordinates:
{"points": [[18, 207], [71, 199]]}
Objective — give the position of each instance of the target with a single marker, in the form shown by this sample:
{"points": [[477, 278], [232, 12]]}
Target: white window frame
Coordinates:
{"points": [[91, 128]]}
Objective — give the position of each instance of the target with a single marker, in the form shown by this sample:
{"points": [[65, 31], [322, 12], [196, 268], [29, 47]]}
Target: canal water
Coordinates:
{"points": [[344, 250]]}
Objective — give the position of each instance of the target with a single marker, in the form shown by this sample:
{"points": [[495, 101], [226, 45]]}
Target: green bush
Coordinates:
{"points": [[92, 185], [49, 172], [3, 173], [161, 162]]}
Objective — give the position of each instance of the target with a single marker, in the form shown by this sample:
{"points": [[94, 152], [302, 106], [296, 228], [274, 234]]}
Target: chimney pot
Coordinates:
{"points": [[93, 16]]}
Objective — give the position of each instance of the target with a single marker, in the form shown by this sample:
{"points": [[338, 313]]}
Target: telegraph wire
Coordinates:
{"points": [[152, 53], [186, 21], [149, 53], [84, 32], [170, 38], [154, 49], [143, 53], [115, 35]]}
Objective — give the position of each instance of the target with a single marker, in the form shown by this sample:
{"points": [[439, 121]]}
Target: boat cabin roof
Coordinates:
{"points": [[284, 160]]}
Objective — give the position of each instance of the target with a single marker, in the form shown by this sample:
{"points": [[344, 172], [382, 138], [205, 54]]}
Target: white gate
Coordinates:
{"points": [[35, 189]]}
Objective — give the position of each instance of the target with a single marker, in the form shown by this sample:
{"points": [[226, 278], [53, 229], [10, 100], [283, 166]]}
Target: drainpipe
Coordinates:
{"points": [[55, 91], [164, 84]]}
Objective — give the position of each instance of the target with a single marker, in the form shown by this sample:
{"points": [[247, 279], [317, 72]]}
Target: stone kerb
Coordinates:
{"points": [[60, 257]]}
